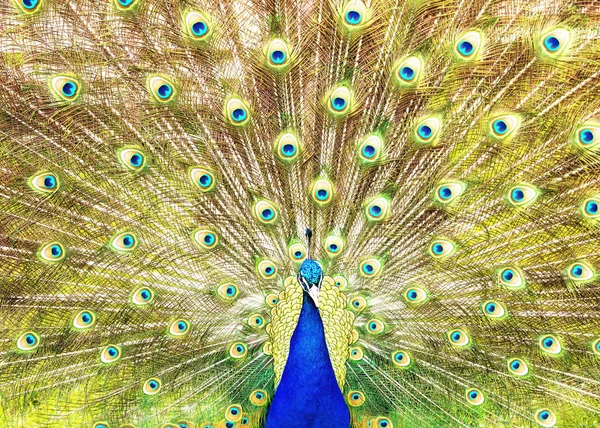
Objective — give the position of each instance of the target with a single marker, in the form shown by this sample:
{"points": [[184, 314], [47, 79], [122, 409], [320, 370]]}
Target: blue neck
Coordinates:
{"points": [[308, 395]]}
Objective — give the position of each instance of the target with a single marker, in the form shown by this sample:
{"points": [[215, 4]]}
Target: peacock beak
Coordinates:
{"points": [[313, 292]]}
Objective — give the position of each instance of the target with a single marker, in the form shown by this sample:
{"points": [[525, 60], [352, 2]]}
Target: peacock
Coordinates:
{"points": [[298, 214]]}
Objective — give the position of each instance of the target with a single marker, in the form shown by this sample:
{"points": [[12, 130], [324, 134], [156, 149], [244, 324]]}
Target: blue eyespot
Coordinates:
{"points": [[322, 194], [230, 291], [591, 207], [86, 317], [267, 214], [586, 136], [407, 73], [552, 43], [517, 195], [182, 326], [136, 160], [500, 127], [239, 348], [367, 268], [544, 415], [29, 4], [548, 342], [30, 339], [355, 396], [288, 150], [199, 28], [49, 182], [112, 351], [445, 192], [56, 250], [353, 17], [205, 180], [153, 384], [278, 57], [69, 88], [384, 424], [234, 411], [473, 395], [490, 308], [229, 424], [239, 114], [368, 151], [333, 248], [373, 326], [456, 336], [515, 365], [465, 48], [399, 356], [338, 103], [128, 241], [437, 248], [507, 275], [145, 294], [125, 2], [412, 295], [425, 131], [209, 239], [164, 91], [577, 271], [269, 270]]}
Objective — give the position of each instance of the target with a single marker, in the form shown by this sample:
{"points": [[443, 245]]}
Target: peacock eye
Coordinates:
{"points": [[493, 309], [259, 397], [554, 42], [448, 192], [370, 268], [459, 338], [580, 272], [45, 182], [369, 149], [101, 425], [207, 239], [375, 326], [203, 179], [354, 14], [297, 252], [334, 245], [545, 418], [356, 398], [266, 269], [415, 295], [29, 6], [441, 248], [65, 88], [378, 209], [322, 192], [28, 341], [110, 354], [596, 347], [183, 424], [503, 126], [278, 54], [408, 71], [340, 101], [84, 320], [549, 344], [358, 303], [161, 88], [590, 208], [382, 422], [356, 354], [522, 195], [427, 131], [233, 413], [287, 147], [237, 112], [256, 321], [271, 300], [52, 252], [152, 386], [197, 26], [468, 45], [266, 212], [133, 159], [238, 350], [517, 367], [227, 291], [511, 277], [401, 358], [179, 328], [124, 242], [340, 281], [475, 397], [587, 137]]}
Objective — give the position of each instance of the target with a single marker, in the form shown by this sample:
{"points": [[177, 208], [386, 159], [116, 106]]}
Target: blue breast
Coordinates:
{"points": [[308, 395]]}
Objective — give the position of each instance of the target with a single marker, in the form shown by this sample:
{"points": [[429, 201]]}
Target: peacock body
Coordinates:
{"points": [[161, 162]]}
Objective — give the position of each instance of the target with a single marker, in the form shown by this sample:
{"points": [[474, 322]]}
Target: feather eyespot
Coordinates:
{"points": [[52, 252], [550, 344], [468, 45], [340, 281], [493, 309], [375, 326], [448, 192], [84, 320], [580, 272], [354, 15], [358, 303], [596, 347], [29, 6], [322, 192], [370, 268], [228, 291], [334, 245], [355, 398], [511, 277], [65, 88], [266, 212], [287, 147], [377, 210], [45, 182], [517, 367], [179, 328], [545, 418], [339, 101], [522, 195], [161, 88], [28, 341], [297, 252], [266, 269], [475, 397], [503, 126], [356, 354], [271, 300], [554, 42], [259, 397], [427, 131], [233, 413], [256, 321], [382, 422], [152, 386], [238, 350], [197, 26], [207, 239], [133, 159], [587, 137], [203, 179], [459, 338], [110, 354], [408, 71], [401, 358], [237, 112], [441, 248], [369, 149], [278, 54], [415, 295], [124, 242], [590, 208]]}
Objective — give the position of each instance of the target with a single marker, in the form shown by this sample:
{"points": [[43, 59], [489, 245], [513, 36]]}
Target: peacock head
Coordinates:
{"points": [[310, 278]]}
